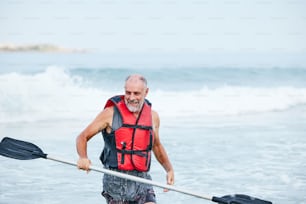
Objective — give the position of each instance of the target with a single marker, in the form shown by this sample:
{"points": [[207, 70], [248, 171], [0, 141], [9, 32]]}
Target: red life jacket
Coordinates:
{"points": [[133, 140]]}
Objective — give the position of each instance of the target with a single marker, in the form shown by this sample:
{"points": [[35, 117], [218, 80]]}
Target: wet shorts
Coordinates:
{"points": [[122, 191]]}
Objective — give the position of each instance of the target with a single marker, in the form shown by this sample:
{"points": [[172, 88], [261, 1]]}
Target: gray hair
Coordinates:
{"points": [[138, 76]]}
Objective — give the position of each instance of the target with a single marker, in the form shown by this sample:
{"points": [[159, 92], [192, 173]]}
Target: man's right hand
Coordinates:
{"points": [[84, 163]]}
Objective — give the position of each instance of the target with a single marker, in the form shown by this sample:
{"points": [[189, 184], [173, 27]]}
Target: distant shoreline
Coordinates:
{"points": [[38, 48]]}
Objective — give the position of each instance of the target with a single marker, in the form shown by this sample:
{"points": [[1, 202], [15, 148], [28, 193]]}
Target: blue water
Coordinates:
{"points": [[226, 129]]}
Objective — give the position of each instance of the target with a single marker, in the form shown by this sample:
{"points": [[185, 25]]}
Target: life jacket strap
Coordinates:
{"points": [[144, 127]]}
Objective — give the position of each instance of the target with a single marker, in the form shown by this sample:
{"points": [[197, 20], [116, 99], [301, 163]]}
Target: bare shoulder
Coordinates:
{"points": [[108, 112], [156, 120], [104, 118], [155, 115]]}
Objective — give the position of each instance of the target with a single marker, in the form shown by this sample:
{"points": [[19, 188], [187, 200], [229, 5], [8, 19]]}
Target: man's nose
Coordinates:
{"points": [[132, 96]]}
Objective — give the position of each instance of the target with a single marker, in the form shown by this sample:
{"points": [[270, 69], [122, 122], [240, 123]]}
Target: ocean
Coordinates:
{"points": [[227, 130]]}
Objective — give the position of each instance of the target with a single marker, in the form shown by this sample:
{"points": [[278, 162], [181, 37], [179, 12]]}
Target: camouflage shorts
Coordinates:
{"points": [[122, 191]]}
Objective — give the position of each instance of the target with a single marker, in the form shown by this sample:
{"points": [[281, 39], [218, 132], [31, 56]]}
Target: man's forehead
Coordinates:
{"points": [[134, 84], [133, 87]]}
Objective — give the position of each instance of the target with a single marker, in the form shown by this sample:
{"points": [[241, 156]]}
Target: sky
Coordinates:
{"points": [[273, 31]]}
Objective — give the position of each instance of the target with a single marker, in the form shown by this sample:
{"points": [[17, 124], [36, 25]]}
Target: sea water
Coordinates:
{"points": [[227, 130]]}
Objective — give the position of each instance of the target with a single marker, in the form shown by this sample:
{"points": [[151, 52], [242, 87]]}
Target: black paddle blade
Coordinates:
{"points": [[21, 150], [239, 199]]}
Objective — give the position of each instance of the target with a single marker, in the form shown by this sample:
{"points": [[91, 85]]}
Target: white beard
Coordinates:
{"points": [[134, 109]]}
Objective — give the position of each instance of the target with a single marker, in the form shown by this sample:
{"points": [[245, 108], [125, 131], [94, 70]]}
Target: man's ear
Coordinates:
{"points": [[147, 91]]}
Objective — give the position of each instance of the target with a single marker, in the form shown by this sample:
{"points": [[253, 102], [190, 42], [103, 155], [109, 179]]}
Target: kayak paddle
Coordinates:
{"points": [[22, 150]]}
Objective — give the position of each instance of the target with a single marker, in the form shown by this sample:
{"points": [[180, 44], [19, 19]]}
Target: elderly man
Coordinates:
{"points": [[130, 129]]}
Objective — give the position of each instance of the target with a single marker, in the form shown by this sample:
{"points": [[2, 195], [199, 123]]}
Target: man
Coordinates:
{"points": [[130, 131]]}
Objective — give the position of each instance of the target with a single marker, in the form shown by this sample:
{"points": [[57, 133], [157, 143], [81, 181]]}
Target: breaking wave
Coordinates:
{"points": [[58, 94]]}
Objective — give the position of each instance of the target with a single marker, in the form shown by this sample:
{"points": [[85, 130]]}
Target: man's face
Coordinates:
{"points": [[135, 93]]}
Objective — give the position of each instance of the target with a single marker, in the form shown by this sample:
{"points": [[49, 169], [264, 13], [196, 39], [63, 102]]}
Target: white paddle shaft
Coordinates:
{"points": [[134, 178]]}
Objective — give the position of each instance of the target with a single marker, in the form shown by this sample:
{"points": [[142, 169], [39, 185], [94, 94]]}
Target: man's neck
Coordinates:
{"points": [[136, 114]]}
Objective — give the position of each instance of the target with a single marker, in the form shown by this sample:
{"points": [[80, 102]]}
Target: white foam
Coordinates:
{"points": [[49, 95], [229, 100], [56, 94]]}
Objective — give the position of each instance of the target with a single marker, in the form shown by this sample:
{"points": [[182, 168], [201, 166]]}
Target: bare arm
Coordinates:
{"points": [[101, 122], [160, 152]]}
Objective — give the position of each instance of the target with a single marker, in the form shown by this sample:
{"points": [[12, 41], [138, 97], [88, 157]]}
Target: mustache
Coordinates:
{"points": [[133, 101]]}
